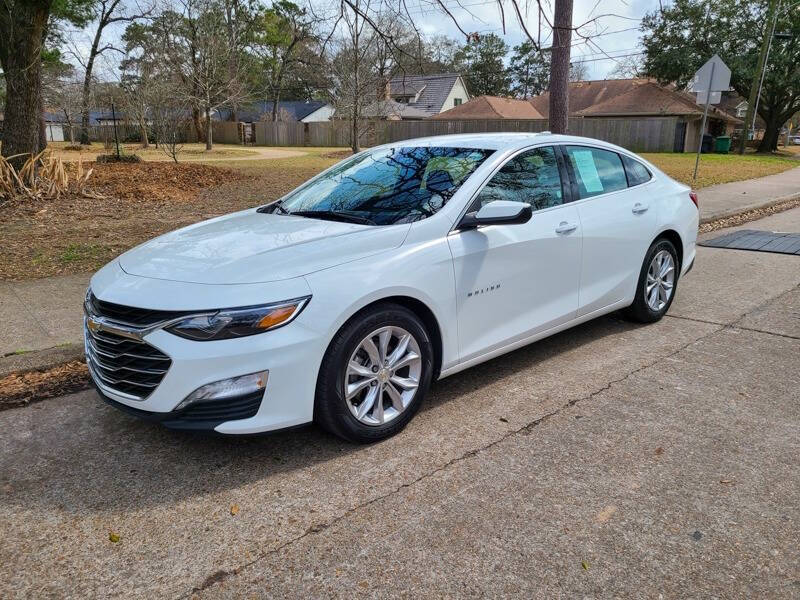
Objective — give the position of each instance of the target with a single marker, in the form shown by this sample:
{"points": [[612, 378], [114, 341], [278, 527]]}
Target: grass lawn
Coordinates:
{"points": [[140, 201], [187, 152], [720, 168]]}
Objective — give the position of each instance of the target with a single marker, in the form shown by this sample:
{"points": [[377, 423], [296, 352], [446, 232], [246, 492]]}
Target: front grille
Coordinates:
{"points": [[129, 315], [125, 365]]}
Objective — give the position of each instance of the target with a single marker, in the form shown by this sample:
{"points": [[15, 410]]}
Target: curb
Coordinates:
{"points": [[40, 360], [725, 214]]}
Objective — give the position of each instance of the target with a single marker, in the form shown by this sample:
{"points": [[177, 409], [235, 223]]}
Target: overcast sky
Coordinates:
{"points": [[615, 28]]}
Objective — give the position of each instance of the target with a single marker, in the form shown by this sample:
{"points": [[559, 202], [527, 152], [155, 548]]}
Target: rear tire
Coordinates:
{"points": [[384, 357], [658, 282]]}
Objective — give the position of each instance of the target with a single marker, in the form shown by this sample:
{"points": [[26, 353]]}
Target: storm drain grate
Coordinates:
{"points": [[759, 241]]}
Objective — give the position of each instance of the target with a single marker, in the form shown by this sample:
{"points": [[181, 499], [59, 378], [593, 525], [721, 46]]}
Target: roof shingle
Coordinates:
{"points": [[432, 89], [618, 97], [491, 107]]}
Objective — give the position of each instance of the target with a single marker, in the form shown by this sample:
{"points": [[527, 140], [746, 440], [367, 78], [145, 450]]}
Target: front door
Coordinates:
{"points": [[513, 281]]}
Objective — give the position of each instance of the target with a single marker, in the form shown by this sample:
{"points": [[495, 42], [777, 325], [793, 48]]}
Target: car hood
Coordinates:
{"points": [[252, 247]]}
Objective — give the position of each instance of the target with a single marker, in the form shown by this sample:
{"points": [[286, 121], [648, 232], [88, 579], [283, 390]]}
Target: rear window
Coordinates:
{"points": [[596, 171], [636, 171]]}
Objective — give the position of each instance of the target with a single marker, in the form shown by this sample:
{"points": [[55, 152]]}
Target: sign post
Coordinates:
{"points": [[710, 80]]}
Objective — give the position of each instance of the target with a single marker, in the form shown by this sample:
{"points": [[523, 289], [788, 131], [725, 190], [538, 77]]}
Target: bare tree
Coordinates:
{"points": [[107, 13], [146, 96], [64, 92], [578, 71], [628, 67], [355, 79], [199, 53], [170, 122]]}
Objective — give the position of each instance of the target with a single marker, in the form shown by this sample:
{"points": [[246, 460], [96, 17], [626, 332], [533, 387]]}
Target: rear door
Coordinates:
{"points": [[618, 222], [513, 281]]}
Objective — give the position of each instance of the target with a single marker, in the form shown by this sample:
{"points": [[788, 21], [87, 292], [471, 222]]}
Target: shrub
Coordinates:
{"points": [[41, 177], [123, 158]]}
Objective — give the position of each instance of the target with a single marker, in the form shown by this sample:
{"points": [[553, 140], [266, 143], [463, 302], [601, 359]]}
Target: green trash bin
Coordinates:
{"points": [[722, 144]]}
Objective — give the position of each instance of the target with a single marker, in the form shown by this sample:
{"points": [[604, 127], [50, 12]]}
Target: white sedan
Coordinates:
{"points": [[341, 302]]}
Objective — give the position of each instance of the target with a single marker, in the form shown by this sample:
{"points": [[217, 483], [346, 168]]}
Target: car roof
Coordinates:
{"points": [[499, 141]]}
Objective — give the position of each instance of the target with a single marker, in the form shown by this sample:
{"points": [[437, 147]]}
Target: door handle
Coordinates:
{"points": [[639, 208], [565, 227]]}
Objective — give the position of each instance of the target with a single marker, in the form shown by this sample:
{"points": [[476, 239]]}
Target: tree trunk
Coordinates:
{"points": [[143, 128], [209, 134], [772, 130], [559, 66], [22, 25], [277, 96], [85, 99], [355, 146], [199, 130], [42, 126]]}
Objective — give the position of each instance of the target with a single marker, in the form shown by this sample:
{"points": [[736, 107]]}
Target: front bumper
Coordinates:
{"points": [[292, 356], [208, 418]]}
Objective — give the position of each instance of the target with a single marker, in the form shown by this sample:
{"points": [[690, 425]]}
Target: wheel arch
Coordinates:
{"points": [[674, 237], [421, 310]]}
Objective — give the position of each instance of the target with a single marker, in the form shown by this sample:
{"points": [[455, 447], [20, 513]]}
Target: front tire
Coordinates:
{"points": [[658, 281], [374, 375]]}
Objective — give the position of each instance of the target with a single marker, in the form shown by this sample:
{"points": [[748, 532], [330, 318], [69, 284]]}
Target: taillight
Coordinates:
{"points": [[693, 198]]}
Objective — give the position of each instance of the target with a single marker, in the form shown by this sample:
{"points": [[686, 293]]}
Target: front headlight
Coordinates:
{"points": [[238, 322]]}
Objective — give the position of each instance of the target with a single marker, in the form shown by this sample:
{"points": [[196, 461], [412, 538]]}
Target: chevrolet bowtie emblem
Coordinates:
{"points": [[93, 325]]}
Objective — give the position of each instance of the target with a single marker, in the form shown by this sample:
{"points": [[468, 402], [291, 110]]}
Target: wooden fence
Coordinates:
{"points": [[643, 134], [282, 133]]}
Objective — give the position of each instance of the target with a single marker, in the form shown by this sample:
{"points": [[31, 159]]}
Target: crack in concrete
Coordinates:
{"points": [[222, 575], [735, 323], [775, 333]]}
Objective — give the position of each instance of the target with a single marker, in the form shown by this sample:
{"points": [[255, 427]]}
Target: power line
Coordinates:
{"points": [[577, 58]]}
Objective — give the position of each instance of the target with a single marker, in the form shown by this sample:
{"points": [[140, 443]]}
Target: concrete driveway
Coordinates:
{"points": [[610, 460]]}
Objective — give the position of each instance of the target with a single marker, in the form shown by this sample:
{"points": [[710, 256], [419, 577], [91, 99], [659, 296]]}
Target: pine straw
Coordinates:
{"points": [[158, 181], [131, 204], [21, 389]]}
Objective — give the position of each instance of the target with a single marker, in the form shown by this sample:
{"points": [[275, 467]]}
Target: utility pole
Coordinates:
{"points": [[758, 76], [559, 66]]}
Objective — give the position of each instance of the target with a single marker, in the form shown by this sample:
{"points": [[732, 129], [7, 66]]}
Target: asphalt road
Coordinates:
{"points": [[610, 460]]}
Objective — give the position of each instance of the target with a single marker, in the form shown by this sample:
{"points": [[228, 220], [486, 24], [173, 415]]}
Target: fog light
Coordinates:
{"points": [[227, 388]]}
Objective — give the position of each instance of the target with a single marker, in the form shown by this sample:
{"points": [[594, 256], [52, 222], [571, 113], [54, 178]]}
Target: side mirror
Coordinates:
{"points": [[498, 212]]}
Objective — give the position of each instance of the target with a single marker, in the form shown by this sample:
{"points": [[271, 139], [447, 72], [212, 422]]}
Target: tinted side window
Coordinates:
{"points": [[531, 177], [596, 171], [637, 172]]}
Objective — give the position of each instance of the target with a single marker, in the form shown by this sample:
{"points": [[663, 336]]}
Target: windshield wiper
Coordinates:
{"points": [[334, 215], [275, 207]]}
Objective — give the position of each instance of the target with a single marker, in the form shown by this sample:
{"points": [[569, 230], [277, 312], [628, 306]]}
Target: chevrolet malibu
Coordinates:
{"points": [[341, 302]]}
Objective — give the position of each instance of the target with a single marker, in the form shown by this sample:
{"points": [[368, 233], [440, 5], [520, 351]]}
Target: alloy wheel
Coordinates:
{"points": [[660, 280], [382, 375]]}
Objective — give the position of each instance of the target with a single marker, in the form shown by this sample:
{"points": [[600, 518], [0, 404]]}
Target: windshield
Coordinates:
{"points": [[392, 185]]}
